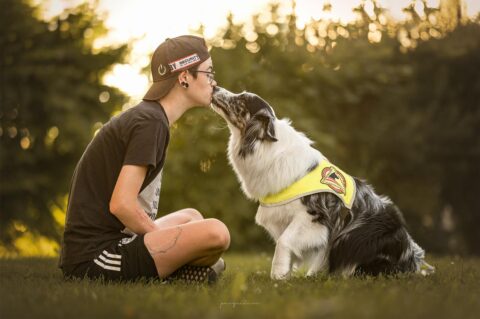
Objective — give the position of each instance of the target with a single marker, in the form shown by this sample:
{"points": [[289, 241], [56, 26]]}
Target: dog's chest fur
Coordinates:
{"points": [[262, 173], [276, 219], [292, 220]]}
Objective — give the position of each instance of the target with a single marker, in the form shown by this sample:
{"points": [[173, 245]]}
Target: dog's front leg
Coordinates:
{"points": [[282, 261], [317, 261]]}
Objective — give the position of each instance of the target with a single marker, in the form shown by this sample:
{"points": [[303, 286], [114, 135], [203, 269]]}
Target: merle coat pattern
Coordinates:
{"points": [[316, 231]]}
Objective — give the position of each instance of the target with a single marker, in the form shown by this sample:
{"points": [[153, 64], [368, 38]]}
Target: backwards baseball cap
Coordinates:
{"points": [[171, 57]]}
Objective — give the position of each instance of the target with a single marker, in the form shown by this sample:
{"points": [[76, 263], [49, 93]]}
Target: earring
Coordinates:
{"points": [[184, 84]]}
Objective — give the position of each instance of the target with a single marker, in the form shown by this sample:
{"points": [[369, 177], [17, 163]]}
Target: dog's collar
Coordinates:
{"points": [[326, 177]]}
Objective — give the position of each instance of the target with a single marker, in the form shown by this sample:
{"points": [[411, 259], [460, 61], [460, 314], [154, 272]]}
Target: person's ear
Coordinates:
{"points": [[183, 76], [183, 79]]}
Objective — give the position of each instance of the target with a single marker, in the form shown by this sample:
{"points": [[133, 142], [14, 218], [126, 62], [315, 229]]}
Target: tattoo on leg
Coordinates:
{"points": [[161, 250]]}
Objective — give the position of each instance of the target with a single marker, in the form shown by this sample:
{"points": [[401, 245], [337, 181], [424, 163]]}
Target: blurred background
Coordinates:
{"points": [[388, 90]]}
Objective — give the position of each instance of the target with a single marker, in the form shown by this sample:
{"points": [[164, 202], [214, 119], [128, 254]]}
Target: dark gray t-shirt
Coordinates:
{"points": [[138, 136]]}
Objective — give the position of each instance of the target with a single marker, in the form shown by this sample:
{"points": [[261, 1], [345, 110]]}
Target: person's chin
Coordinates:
{"points": [[208, 102], [205, 104]]}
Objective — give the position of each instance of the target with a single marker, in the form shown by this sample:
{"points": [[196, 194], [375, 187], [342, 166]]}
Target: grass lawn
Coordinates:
{"points": [[34, 288]]}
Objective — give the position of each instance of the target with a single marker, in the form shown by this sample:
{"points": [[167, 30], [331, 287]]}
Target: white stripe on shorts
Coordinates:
{"points": [[108, 261], [112, 255], [106, 266]]}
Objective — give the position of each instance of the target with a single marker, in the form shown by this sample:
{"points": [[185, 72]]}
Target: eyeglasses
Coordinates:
{"points": [[210, 75]]}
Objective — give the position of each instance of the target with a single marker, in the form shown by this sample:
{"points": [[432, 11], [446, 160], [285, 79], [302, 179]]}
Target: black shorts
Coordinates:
{"points": [[124, 260]]}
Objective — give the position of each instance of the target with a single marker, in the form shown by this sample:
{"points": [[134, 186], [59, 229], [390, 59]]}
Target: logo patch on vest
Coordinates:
{"points": [[334, 179]]}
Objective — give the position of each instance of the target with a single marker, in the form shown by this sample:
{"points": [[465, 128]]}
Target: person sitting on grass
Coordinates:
{"points": [[111, 230]]}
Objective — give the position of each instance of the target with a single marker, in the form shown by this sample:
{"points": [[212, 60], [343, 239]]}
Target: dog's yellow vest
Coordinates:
{"points": [[326, 177]]}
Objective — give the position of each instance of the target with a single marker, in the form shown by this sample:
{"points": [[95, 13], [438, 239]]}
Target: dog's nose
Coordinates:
{"points": [[215, 89]]}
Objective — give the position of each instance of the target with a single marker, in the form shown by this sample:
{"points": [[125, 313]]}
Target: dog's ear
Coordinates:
{"points": [[267, 119], [258, 127]]}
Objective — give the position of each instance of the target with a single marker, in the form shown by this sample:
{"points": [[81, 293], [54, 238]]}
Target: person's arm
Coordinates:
{"points": [[124, 203]]}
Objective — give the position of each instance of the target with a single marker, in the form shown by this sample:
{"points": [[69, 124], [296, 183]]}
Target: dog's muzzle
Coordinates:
{"points": [[220, 97]]}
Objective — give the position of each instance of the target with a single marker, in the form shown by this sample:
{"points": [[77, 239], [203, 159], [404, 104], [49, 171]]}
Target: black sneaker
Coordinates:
{"points": [[198, 274]]}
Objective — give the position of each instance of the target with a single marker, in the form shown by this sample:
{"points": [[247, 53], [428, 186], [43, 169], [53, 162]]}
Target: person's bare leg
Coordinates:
{"points": [[201, 241], [206, 261], [182, 216]]}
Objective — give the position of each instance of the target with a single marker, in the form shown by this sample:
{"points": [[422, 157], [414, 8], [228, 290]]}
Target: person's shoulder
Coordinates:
{"points": [[147, 110]]}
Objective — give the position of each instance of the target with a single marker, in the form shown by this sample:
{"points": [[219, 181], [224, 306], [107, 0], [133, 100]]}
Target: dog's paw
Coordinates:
{"points": [[279, 275], [426, 269]]}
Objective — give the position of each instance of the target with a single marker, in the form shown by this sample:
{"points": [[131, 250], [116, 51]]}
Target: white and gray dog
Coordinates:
{"points": [[316, 231]]}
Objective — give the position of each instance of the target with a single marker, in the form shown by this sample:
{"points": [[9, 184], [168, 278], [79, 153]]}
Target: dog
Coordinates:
{"points": [[318, 230]]}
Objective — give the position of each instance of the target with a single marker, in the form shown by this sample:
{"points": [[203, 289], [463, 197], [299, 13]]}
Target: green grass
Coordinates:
{"points": [[34, 288]]}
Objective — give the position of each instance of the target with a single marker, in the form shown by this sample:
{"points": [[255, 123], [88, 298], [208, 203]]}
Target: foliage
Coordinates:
{"points": [[51, 96], [34, 288], [395, 103]]}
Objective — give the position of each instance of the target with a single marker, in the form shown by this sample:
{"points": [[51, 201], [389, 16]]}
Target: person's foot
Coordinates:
{"points": [[198, 274], [219, 267]]}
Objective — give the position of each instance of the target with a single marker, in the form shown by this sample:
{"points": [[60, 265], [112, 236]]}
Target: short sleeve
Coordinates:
{"points": [[146, 143]]}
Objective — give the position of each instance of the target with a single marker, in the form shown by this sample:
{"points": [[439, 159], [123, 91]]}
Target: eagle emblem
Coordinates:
{"points": [[334, 179]]}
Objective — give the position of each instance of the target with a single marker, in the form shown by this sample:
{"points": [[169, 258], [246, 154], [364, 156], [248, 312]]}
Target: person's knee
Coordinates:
{"points": [[219, 236], [193, 214]]}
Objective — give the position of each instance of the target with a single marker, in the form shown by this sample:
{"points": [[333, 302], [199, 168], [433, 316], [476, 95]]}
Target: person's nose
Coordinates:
{"points": [[214, 84]]}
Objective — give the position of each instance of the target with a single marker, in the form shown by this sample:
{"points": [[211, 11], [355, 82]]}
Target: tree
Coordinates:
{"points": [[390, 102], [51, 102], [395, 103]]}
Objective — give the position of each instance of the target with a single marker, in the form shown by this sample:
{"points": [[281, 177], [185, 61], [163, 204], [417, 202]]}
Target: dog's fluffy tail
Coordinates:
{"points": [[413, 259], [377, 242]]}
